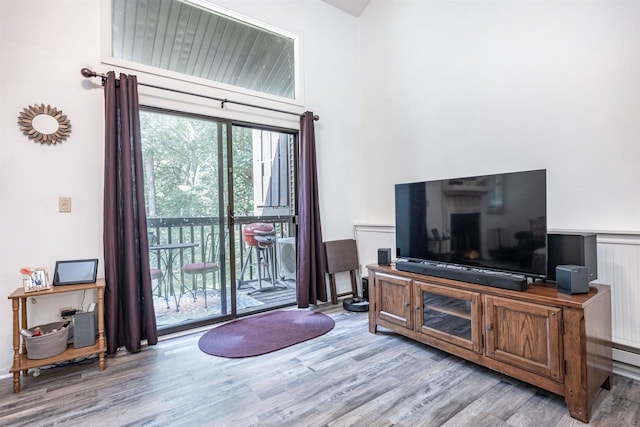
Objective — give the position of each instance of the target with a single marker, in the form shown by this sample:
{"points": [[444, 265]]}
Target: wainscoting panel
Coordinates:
{"points": [[371, 237], [618, 266]]}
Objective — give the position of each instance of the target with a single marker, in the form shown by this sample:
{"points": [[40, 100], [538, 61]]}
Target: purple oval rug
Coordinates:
{"points": [[264, 333]]}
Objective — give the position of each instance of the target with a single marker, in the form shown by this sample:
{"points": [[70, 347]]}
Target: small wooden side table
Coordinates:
{"points": [[21, 363]]}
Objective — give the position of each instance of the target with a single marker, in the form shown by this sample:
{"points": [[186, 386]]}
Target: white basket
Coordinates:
{"points": [[47, 344]]}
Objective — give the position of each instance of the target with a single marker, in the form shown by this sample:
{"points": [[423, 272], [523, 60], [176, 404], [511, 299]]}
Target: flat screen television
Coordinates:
{"points": [[494, 222]]}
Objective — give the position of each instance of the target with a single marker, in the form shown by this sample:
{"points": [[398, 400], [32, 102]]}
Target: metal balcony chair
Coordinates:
{"points": [[158, 276], [209, 265], [342, 256]]}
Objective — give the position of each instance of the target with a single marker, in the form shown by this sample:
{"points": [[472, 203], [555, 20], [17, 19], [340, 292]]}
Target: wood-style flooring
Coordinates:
{"points": [[347, 377]]}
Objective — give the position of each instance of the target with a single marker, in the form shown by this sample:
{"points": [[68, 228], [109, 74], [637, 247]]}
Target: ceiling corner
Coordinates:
{"points": [[352, 7]]}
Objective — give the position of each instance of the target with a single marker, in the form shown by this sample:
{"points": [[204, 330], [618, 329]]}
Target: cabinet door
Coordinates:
{"points": [[525, 335], [393, 297], [448, 314]]}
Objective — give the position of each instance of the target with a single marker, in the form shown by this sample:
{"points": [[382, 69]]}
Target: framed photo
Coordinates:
{"points": [[36, 280]]}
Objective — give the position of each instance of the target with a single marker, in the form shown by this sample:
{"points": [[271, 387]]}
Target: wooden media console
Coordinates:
{"points": [[555, 341]]}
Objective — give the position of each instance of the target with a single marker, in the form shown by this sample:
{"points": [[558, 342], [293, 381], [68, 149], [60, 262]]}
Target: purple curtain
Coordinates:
{"points": [[311, 285], [129, 313]]}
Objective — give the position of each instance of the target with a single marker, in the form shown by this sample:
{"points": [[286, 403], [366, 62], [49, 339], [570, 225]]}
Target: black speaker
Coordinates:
{"points": [[84, 329], [365, 288], [572, 279], [384, 256], [572, 249]]}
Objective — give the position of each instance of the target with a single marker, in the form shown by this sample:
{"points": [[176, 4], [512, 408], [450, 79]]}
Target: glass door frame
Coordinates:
{"points": [[230, 218], [226, 223], [222, 157]]}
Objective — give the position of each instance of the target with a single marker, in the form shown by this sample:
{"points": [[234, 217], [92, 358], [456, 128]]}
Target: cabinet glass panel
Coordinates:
{"points": [[447, 314]]}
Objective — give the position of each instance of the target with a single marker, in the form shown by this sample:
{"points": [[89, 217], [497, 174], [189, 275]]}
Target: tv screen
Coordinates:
{"points": [[75, 272], [496, 222]]}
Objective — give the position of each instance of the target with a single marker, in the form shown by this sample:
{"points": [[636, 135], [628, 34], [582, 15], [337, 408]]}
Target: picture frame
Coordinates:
{"points": [[36, 280]]}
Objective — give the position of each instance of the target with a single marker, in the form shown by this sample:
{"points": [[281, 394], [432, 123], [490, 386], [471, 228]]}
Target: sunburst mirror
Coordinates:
{"points": [[44, 124]]}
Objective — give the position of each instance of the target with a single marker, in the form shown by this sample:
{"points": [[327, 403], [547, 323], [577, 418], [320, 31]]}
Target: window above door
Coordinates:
{"points": [[188, 37]]}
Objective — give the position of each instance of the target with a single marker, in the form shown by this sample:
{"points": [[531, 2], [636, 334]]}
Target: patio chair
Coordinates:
{"points": [[158, 275], [203, 268]]}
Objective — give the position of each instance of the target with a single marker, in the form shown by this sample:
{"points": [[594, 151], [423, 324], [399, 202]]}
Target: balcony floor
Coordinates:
{"points": [[249, 298]]}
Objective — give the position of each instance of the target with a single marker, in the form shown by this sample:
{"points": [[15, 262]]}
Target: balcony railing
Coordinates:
{"points": [[210, 236]]}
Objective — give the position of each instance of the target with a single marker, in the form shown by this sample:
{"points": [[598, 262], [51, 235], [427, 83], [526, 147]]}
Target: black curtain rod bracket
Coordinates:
{"points": [[89, 73]]}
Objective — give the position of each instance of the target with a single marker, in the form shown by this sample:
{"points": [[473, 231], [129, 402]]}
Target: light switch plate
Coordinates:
{"points": [[64, 204]]}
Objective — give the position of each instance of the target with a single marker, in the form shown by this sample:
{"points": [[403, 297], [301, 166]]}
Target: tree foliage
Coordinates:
{"points": [[186, 162], [183, 157], [180, 165], [243, 193]]}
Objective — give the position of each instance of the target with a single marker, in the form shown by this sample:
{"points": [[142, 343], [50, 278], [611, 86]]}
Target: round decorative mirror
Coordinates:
{"points": [[44, 124]]}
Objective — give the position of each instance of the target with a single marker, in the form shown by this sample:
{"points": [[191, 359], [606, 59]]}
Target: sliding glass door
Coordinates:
{"points": [[222, 238], [263, 188], [184, 159]]}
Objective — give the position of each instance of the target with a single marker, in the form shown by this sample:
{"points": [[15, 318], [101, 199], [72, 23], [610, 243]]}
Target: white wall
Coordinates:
{"points": [[43, 46], [458, 88]]}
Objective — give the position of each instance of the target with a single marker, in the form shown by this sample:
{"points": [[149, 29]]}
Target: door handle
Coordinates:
{"points": [[232, 219]]}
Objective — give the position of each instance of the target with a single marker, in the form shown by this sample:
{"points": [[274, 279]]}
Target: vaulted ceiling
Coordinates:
{"points": [[352, 7]]}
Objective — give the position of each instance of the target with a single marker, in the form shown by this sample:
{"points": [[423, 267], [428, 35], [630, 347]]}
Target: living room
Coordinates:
{"points": [[407, 91]]}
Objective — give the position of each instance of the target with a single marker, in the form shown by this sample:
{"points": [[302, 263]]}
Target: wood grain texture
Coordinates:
{"points": [[347, 377], [394, 299], [525, 334]]}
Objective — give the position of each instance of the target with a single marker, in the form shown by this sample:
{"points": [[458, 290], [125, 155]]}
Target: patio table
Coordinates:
{"points": [[167, 253]]}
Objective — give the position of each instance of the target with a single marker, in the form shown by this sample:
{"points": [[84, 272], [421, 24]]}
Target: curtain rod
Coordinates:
{"points": [[88, 73]]}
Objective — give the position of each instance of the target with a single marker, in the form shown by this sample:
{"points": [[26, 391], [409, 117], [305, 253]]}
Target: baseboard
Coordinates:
{"points": [[628, 371], [626, 363]]}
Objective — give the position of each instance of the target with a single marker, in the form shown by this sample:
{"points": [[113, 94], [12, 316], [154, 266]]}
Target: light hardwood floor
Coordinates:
{"points": [[347, 377]]}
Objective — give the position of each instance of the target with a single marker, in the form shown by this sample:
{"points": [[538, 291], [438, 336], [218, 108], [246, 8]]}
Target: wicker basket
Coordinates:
{"points": [[48, 344]]}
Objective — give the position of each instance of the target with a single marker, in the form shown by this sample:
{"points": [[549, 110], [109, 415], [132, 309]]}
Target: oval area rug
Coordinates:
{"points": [[264, 333]]}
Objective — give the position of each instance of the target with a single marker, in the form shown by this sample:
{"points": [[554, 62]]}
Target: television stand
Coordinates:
{"points": [[558, 342]]}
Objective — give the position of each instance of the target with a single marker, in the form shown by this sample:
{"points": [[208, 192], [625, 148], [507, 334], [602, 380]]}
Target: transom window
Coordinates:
{"points": [[183, 37]]}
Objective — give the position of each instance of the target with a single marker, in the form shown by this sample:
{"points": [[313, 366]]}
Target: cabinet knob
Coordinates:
{"points": [[488, 327]]}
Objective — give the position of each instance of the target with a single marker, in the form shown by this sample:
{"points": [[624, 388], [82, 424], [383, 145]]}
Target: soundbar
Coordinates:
{"points": [[496, 279]]}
